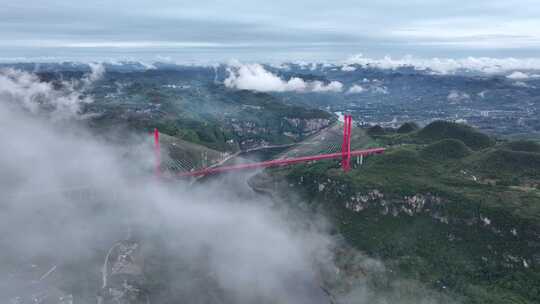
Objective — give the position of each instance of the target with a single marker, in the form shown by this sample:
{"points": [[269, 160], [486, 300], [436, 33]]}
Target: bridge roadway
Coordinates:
{"points": [[279, 162]]}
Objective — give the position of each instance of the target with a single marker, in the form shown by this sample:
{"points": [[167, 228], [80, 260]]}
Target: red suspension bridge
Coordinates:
{"points": [[346, 154]]}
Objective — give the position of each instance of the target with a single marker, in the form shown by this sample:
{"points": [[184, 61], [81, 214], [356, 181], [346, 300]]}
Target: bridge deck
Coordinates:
{"points": [[279, 162]]}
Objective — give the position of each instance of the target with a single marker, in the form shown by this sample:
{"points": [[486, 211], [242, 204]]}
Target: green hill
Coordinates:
{"points": [[438, 130], [523, 145], [504, 164], [458, 214], [408, 127], [376, 131], [446, 149]]}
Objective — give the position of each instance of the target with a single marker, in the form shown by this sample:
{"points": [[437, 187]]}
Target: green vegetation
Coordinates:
{"points": [[504, 164], [206, 114], [445, 206], [438, 130], [209, 133], [523, 146], [446, 149], [376, 131], [407, 127], [435, 131]]}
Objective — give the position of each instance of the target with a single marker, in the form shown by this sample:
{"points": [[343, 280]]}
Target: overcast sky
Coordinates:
{"points": [[267, 30]]}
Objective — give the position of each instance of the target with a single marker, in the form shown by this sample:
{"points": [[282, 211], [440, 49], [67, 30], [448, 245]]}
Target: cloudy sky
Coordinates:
{"points": [[267, 30]]}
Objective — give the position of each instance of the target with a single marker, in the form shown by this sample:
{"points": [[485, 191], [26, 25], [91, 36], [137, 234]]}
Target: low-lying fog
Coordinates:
{"points": [[85, 221], [68, 197]]}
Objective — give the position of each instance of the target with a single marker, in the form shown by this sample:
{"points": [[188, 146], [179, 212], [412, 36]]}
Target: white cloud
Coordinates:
{"points": [[483, 94], [457, 96], [255, 77], [380, 90], [333, 86], [449, 65], [28, 91], [522, 84], [348, 68], [374, 86], [518, 75], [97, 70], [355, 89]]}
